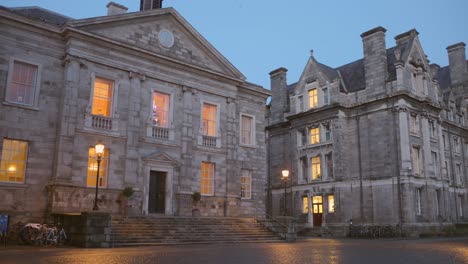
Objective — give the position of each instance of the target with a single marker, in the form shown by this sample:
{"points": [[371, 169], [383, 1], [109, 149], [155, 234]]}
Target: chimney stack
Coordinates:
{"points": [[279, 98], [150, 4], [115, 9], [457, 62], [375, 60]]}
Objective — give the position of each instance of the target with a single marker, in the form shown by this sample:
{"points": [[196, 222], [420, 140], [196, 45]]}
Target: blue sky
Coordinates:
{"points": [[258, 36]]}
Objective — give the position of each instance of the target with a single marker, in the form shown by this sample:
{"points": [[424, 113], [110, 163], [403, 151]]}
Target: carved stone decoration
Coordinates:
{"points": [[229, 100], [398, 54], [400, 108]]}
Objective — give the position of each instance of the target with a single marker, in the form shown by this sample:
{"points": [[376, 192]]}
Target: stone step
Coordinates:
{"points": [[175, 230], [144, 244]]}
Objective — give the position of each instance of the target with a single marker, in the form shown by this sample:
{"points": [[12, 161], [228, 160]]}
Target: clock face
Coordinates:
{"points": [[166, 38]]}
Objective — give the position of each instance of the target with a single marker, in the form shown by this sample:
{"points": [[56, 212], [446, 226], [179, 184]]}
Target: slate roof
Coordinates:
{"points": [[39, 13]]}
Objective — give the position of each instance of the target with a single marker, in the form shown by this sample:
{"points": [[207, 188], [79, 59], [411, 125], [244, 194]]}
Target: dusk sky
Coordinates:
{"points": [[258, 36]]}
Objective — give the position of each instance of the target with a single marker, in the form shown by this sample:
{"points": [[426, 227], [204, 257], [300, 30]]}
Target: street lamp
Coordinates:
{"points": [[99, 151], [285, 174]]}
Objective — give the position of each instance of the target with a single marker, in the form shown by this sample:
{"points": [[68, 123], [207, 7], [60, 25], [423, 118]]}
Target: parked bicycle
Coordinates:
{"points": [[42, 235]]}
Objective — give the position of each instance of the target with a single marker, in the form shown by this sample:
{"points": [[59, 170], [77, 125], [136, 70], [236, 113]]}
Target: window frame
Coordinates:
{"points": [[26, 155], [318, 168], [326, 95], [305, 204], [212, 178], [107, 157], [314, 137], [418, 163], [37, 88], [249, 177], [115, 90], [435, 161], [203, 102], [169, 111], [316, 101], [253, 140], [329, 209], [414, 127]]}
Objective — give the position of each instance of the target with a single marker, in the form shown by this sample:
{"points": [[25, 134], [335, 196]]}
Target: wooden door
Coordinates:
{"points": [[157, 192], [317, 210]]}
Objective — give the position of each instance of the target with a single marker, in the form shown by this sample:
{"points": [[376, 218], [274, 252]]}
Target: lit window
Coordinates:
{"points": [[416, 160], [210, 113], [305, 205], [314, 135], [434, 162], [418, 202], [315, 168], [313, 99], [247, 130], [13, 163], [317, 204], [331, 203], [102, 97], [246, 184], [207, 178], [160, 109], [23, 82], [92, 168]]}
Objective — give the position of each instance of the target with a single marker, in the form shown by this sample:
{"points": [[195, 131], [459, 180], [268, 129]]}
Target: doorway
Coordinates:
{"points": [[317, 210], [157, 192]]}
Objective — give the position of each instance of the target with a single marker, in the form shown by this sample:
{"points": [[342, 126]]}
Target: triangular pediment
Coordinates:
{"points": [[160, 157], [143, 30]]}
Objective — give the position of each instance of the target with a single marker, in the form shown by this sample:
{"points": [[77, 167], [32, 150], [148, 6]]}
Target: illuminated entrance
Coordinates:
{"points": [[317, 210]]}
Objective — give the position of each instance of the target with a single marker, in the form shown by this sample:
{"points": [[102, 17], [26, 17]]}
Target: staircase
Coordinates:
{"points": [[148, 231]]}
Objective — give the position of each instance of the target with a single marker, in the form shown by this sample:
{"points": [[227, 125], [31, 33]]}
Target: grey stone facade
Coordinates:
{"points": [[126, 48], [377, 118]]}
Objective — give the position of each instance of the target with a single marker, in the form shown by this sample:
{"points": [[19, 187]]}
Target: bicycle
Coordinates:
{"points": [[55, 237]]}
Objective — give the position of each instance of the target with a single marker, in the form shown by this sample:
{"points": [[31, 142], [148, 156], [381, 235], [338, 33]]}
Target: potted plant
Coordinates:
{"points": [[126, 194], [196, 197]]}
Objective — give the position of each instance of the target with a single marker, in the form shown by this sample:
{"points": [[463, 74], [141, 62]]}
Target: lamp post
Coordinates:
{"points": [[99, 150], [285, 174]]}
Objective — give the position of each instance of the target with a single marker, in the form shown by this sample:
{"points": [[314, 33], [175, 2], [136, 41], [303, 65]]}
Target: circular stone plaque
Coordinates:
{"points": [[166, 38]]}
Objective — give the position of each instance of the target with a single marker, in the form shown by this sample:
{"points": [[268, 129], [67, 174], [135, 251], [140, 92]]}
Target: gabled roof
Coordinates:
{"points": [[42, 14]]}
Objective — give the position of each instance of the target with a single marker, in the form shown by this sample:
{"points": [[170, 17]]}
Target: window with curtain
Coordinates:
{"points": [[102, 97], [209, 117], [13, 161], [23, 83], [207, 178], [161, 109]]}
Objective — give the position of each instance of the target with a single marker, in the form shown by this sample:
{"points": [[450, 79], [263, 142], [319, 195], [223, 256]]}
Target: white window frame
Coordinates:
{"points": [[218, 107], [252, 133], [37, 89], [249, 177], [115, 91], [25, 159], [212, 180], [169, 111]]}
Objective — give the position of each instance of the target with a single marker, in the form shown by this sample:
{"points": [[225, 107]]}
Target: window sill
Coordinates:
{"points": [[415, 134], [27, 107], [14, 184], [433, 140], [246, 199], [207, 195], [248, 146]]}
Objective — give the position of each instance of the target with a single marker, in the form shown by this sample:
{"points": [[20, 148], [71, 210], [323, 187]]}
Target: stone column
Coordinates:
{"points": [[68, 120], [310, 218], [186, 173]]}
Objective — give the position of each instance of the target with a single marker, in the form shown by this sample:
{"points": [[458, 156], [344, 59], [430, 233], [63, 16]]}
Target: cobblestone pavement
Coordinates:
{"points": [[427, 251]]}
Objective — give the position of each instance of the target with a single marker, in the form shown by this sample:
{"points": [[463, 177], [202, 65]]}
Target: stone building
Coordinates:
{"points": [[175, 116], [381, 140]]}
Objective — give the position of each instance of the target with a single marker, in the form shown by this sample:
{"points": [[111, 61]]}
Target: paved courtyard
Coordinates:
{"points": [[427, 251]]}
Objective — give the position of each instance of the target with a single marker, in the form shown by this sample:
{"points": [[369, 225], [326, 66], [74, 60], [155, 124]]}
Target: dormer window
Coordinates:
{"points": [[313, 98]]}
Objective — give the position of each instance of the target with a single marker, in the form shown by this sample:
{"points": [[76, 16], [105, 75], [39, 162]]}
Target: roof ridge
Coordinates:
{"points": [[40, 8]]}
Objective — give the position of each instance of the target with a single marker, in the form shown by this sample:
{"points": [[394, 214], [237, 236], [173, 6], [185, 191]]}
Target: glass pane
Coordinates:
{"points": [[13, 161], [21, 89], [92, 168], [331, 203], [161, 109], [246, 136], [209, 119], [102, 97], [305, 205]]}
